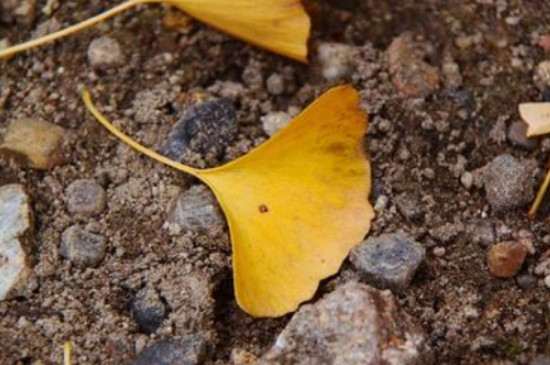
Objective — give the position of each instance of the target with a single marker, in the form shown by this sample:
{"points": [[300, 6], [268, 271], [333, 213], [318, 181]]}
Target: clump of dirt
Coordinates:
{"points": [[425, 152]]}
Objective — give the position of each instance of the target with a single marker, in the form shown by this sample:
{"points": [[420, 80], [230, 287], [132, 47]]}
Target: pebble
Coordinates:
{"points": [[189, 350], [355, 324], [389, 260], [506, 258], [205, 129], [85, 198], [451, 72], [483, 233], [275, 84], [81, 247], [409, 206], [526, 281], [105, 53], [15, 227], [335, 60], [547, 281], [410, 75], [516, 136], [541, 76], [148, 310], [23, 10], [381, 203], [543, 267], [39, 142], [439, 251], [273, 122], [195, 210], [467, 180], [509, 182]]}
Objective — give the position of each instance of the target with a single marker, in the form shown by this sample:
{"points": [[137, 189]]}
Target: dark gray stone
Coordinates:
{"points": [[355, 324], [205, 129], [509, 182], [196, 210], [148, 310], [190, 350], [81, 247], [389, 260]]}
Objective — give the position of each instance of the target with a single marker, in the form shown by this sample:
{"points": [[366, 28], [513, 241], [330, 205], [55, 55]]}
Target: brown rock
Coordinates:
{"points": [[505, 259], [39, 142], [410, 75]]}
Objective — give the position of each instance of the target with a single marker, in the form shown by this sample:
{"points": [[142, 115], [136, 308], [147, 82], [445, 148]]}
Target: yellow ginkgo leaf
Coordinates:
{"points": [[295, 205], [537, 117], [281, 26]]}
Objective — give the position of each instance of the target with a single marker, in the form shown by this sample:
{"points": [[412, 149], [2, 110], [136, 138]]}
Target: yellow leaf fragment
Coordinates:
{"points": [[281, 26], [537, 117], [295, 205]]}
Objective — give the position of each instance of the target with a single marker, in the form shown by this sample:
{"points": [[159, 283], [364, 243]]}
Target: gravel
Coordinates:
{"points": [[39, 142], [355, 324], [335, 60], [81, 247], [203, 131], [410, 75], [195, 210], [105, 53], [275, 84], [15, 231], [506, 258], [148, 309], [389, 260], [190, 350], [409, 206], [273, 122], [85, 198], [509, 182]]}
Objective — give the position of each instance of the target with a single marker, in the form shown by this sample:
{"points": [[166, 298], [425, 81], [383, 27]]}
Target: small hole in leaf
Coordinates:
{"points": [[263, 208]]}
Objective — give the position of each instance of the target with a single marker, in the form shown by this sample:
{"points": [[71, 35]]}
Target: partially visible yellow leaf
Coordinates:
{"points": [[537, 117], [281, 26], [295, 205]]}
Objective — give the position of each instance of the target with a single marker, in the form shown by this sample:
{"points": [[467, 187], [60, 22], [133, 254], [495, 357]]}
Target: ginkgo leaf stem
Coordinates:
{"points": [[4, 53], [67, 353], [540, 195], [130, 142]]}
